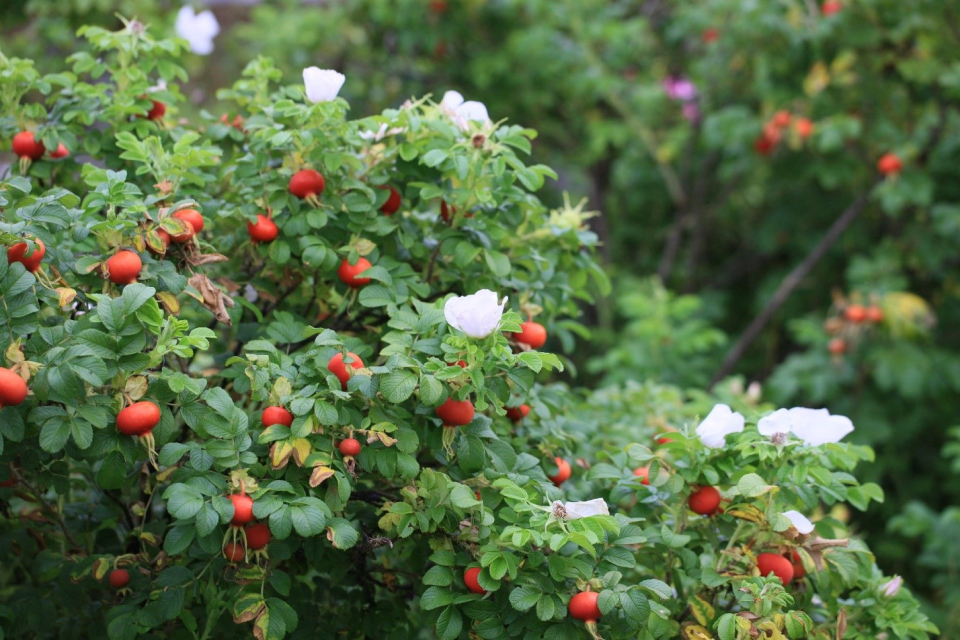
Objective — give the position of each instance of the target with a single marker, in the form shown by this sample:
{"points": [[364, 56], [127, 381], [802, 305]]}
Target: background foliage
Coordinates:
{"points": [[682, 195]]}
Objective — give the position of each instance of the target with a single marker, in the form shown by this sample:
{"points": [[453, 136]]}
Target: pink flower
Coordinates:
{"points": [[680, 88]]}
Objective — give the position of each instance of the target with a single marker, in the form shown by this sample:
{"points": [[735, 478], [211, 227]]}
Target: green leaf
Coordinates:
{"points": [[434, 598], [398, 385], [523, 598], [449, 624], [751, 485], [438, 576]]}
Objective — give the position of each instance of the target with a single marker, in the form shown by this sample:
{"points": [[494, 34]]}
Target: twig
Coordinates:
{"points": [[789, 283], [59, 516]]}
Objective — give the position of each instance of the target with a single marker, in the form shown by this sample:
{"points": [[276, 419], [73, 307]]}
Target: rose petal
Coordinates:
{"points": [[800, 521]]}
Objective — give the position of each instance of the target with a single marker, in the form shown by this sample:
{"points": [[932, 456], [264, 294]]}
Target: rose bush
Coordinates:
{"points": [[256, 398]]}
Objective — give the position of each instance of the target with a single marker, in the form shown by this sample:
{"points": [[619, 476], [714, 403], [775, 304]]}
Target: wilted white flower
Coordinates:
{"points": [[461, 111], [720, 422], [250, 294], [478, 315], [322, 85], [892, 587], [381, 133], [816, 426], [800, 521], [575, 510], [199, 29]]}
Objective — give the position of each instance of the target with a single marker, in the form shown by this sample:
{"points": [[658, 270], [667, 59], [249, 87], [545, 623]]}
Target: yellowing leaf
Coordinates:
{"points": [[817, 80], [702, 610], [169, 302], [66, 295], [301, 449], [695, 632], [320, 474], [746, 512], [136, 387]]}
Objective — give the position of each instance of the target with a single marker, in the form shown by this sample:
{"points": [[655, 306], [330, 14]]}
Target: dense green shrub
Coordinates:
{"points": [[121, 523]]}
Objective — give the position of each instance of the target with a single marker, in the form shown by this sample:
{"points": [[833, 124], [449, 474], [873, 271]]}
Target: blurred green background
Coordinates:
{"points": [[720, 141]]}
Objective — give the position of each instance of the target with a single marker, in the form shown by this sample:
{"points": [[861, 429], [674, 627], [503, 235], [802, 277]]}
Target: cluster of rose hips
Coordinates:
{"points": [[847, 326], [778, 125]]}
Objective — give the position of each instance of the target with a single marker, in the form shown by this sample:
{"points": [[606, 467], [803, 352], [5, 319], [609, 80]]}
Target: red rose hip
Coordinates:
{"points": [[583, 606], [18, 253], [242, 509], [349, 273], [138, 419], [350, 447], [26, 145], [518, 413], [306, 183], [532, 334], [705, 501], [276, 415], [470, 580], [339, 368], [777, 565], [393, 203], [456, 413], [124, 267], [119, 578], [563, 472], [13, 389], [263, 230], [258, 536]]}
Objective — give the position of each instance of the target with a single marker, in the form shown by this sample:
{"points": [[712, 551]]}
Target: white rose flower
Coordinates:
{"points": [[478, 315], [322, 85], [199, 29], [892, 587], [800, 521], [462, 111], [576, 510], [720, 422], [777, 423], [816, 426]]}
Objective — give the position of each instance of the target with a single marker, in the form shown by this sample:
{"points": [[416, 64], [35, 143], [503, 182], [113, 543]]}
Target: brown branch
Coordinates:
{"points": [[789, 283]]}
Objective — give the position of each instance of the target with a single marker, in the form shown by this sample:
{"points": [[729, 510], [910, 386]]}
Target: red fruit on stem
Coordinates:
{"points": [[306, 183], [705, 501], [60, 152], [456, 413], [258, 536], [438, 6], [350, 447], [764, 145], [191, 217], [781, 119], [831, 7], [837, 346], [874, 314], [470, 580], [392, 205], [263, 230], [138, 419], [234, 552], [18, 253], [124, 267], [446, 210], [798, 569], [119, 578], [532, 334], [157, 110], [518, 413], [242, 509], [803, 127], [583, 606], [276, 415], [710, 35], [563, 472], [643, 473], [348, 273], [855, 313], [339, 368], [889, 163], [462, 364], [777, 565], [26, 145], [13, 389]]}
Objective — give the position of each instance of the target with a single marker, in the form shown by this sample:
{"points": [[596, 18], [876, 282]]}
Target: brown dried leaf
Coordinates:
{"points": [[842, 623], [320, 473], [66, 295], [205, 258], [213, 298], [385, 439]]}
